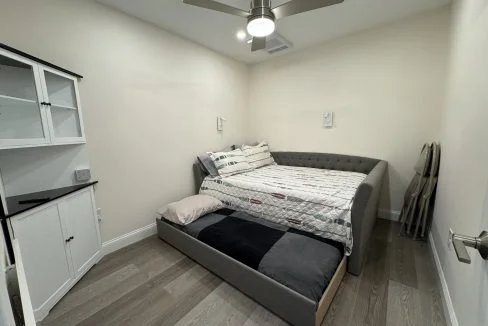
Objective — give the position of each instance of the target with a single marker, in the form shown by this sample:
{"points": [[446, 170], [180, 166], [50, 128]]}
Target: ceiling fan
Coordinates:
{"points": [[261, 17]]}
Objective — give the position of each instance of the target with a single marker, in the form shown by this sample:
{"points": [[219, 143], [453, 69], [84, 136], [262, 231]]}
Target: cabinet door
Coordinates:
{"points": [[64, 111], [44, 256], [22, 117], [82, 224]]}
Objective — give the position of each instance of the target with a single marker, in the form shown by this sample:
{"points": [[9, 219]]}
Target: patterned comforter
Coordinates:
{"points": [[313, 200]]}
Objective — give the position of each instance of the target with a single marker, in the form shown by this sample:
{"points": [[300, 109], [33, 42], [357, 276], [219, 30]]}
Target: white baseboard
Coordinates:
{"points": [[128, 239], [446, 296], [389, 215]]}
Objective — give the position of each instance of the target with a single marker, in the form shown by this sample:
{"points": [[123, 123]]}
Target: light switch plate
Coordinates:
{"points": [[220, 126], [220, 123], [328, 119]]}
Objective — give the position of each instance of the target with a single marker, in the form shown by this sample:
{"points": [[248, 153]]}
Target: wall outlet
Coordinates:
{"points": [[82, 175], [99, 214], [449, 239]]}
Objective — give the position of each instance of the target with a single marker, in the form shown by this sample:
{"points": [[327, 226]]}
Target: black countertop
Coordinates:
{"points": [[21, 203]]}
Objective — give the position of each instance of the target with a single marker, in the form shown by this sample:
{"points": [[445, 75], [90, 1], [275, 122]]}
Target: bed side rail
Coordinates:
{"points": [[363, 215]]}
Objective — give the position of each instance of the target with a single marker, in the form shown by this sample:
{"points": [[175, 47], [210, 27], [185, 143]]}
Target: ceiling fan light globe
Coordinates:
{"points": [[261, 26]]}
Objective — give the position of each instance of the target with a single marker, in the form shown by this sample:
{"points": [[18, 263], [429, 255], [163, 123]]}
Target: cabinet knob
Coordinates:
{"points": [[69, 239], [46, 103]]}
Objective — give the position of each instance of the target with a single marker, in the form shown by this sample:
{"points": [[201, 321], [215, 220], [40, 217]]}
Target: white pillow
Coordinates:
{"points": [[189, 209], [259, 155], [229, 163]]}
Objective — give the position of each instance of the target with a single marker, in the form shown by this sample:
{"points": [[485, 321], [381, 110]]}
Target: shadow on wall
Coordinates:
{"points": [[393, 190], [385, 200]]}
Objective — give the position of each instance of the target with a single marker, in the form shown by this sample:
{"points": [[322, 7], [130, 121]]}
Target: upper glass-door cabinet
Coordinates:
{"points": [[22, 117], [39, 106], [63, 107]]}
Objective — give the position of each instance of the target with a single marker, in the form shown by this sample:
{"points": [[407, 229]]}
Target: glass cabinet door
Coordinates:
{"points": [[22, 118], [64, 110]]}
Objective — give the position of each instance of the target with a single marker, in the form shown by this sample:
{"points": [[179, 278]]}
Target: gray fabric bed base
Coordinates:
{"points": [[365, 205], [284, 302]]}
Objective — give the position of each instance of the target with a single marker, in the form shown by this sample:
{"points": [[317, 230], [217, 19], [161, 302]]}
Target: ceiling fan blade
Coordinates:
{"points": [[217, 6], [258, 43], [296, 7]]}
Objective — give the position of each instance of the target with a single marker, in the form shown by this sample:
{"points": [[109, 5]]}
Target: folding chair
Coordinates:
{"points": [[415, 189], [428, 191]]}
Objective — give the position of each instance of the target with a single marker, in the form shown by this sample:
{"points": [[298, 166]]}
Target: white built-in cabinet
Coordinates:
{"points": [[59, 242], [39, 106]]}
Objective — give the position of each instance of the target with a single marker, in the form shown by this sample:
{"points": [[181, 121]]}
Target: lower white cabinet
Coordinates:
{"points": [[59, 242], [79, 215]]}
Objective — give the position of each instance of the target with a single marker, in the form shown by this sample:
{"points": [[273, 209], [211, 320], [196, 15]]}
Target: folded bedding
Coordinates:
{"points": [[301, 261], [317, 201]]}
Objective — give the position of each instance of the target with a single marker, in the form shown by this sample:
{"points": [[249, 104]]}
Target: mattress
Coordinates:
{"points": [[317, 201], [302, 262]]}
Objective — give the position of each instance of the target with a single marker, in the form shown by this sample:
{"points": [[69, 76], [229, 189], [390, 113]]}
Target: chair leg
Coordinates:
{"points": [[426, 214], [419, 217], [412, 215], [401, 216], [406, 213]]}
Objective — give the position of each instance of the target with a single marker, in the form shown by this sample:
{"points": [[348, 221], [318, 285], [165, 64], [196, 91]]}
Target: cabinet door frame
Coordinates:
{"points": [[77, 274], [14, 143], [66, 234], [61, 140]]}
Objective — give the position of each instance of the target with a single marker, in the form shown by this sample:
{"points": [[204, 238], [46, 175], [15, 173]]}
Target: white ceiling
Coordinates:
{"points": [[217, 31]]}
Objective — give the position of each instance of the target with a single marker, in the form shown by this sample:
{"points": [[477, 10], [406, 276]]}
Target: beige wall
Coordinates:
{"points": [[150, 100], [462, 198], [384, 85]]}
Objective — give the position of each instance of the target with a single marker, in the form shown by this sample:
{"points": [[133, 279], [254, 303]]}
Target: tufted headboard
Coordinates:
{"points": [[310, 160], [326, 161]]}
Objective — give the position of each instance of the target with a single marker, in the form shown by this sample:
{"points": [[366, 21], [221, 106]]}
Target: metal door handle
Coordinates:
{"points": [[480, 243]]}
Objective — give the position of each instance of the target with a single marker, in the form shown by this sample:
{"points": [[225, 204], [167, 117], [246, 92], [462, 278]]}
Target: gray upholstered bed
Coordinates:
{"points": [[285, 302], [366, 200]]}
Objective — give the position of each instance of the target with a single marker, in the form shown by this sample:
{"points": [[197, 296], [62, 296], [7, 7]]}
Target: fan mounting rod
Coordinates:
{"points": [[261, 8]]}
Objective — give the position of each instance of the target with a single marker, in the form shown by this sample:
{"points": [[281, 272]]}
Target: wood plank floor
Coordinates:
{"points": [[151, 283]]}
